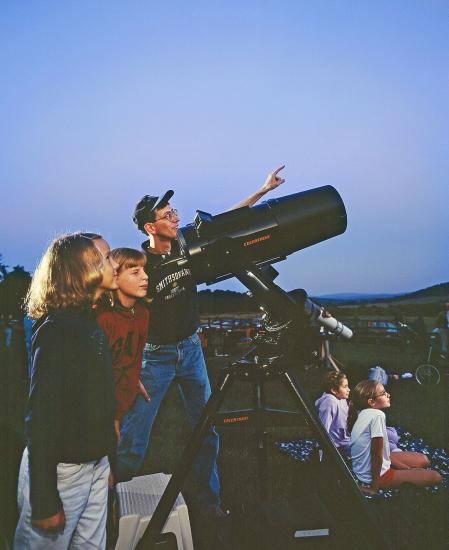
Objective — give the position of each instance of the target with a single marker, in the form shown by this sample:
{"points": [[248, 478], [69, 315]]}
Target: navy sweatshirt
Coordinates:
{"points": [[70, 410], [174, 302]]}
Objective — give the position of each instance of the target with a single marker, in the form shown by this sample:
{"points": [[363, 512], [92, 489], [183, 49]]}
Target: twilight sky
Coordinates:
{"points": [[102, 102]]}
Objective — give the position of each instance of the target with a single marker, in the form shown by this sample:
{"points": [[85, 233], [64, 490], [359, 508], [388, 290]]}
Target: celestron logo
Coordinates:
{"points": [[258, 240], [235, 419]]}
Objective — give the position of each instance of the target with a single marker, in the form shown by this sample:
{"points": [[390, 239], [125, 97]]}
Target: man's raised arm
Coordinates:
{"points": [[272, 181]]}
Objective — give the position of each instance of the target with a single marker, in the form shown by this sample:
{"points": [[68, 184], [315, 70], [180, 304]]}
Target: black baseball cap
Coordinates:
{"points": [[143, 213]]}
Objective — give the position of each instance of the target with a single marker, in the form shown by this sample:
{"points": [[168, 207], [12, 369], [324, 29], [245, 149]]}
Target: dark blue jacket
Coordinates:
{"points": [[70, 410]]}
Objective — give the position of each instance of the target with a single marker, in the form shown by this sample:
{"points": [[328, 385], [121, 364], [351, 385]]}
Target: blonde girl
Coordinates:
{"points": [[63, 480], [373, 464], [124, 320]]}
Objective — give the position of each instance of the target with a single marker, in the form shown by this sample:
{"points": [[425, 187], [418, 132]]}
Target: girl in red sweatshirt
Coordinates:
{"points": [[125, 324]]}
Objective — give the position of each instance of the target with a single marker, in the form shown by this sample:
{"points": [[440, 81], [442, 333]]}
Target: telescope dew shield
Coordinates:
{"points": [[262, 234]]}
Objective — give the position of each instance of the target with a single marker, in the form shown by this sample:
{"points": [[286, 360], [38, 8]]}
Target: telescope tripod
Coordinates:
{"points": [[258, 371], [325, 355]]}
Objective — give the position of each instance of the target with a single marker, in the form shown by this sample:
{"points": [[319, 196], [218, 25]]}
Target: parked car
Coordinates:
{"points": [[370, 330]]}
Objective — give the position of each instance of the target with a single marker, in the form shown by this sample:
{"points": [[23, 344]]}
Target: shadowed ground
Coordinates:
{"points": [[414, 522]]}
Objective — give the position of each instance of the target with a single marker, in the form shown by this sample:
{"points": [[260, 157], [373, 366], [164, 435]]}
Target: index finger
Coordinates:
{"points": [[278, 169]]}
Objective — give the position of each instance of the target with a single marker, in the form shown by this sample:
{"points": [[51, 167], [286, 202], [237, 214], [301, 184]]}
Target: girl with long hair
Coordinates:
{"points": [[63, 480], [373, 464]]}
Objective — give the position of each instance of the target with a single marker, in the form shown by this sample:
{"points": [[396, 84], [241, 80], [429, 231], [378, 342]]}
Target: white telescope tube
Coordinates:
{"points": [[335, 326]]}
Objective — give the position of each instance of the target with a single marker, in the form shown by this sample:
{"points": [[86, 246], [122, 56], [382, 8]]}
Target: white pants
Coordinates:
{"points": [[83, 489]]}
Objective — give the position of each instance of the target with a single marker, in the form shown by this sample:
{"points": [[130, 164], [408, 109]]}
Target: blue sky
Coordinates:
{"points": [[103, 102]]}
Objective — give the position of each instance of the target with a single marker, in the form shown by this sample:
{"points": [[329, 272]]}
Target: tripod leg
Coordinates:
{"points": [[376, 537], [329, 360], [261, 440], [165, 505]]}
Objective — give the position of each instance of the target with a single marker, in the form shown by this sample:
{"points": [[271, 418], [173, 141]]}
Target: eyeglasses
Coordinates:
{"points": [[171, 215], [382, 394]]}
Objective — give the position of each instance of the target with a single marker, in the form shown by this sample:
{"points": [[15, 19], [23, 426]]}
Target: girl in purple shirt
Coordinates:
{"points": [[333, 409]]}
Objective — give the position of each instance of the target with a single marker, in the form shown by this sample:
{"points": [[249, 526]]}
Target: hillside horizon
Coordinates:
{"points": [[228, 300], [432, 294]]}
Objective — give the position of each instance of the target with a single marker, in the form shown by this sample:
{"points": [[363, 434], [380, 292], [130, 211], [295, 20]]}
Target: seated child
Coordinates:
{"points": [[333, 409], [125, 324], [380, 375], [333, 412], [372, 462]]}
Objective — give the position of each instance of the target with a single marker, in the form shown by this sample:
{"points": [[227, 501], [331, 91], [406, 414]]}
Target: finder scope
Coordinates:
{"points": [[264, 234]]}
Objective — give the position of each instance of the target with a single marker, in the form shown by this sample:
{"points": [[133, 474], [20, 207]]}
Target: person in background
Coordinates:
{"points": [[332, 409], [443, 326]]}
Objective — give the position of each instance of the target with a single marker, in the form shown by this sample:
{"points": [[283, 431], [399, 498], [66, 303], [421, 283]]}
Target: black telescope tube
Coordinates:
{"points": [[262, 234]]}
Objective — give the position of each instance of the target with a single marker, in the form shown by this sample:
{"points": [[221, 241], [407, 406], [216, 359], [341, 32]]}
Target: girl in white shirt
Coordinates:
{"points": [[373, 464]]}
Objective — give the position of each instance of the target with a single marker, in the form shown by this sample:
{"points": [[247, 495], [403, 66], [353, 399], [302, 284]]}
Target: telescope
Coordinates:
{"points": [[262, 234], [245, 242]]}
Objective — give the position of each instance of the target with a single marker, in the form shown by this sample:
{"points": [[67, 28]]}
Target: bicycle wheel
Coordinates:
{"points": [[427, 375]]}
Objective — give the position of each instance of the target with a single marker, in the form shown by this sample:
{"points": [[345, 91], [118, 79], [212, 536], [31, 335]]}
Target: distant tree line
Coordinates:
{"points": [[426, 302], [225, 301], [220, 301], [381, 311]]}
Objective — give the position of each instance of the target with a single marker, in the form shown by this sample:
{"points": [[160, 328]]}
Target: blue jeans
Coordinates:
{"points": [[183, 362], [83, 489]]}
